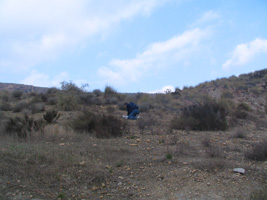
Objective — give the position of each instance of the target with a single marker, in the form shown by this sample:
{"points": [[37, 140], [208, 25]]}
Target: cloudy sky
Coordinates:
{"points": [[131, 45]]}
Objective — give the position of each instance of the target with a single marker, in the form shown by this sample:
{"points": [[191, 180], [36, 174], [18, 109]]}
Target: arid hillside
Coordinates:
{"points": [[205, 142]]}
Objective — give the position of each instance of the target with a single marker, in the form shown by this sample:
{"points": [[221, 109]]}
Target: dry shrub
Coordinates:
{"points": [[23, 126], [210, 165], [37, 108], [258, 152], [6, 106], [240, 133], [183, 149], [206, 142], [214, 151], [103, 126], [51, 116], [54, 132], [144, 106], [68, 102], [20, 106], [260, 194], [209, 115], [17, 94], [143, 123]]}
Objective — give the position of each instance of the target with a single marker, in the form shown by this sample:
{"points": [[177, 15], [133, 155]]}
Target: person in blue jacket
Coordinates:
{"points": [[132, 110]]}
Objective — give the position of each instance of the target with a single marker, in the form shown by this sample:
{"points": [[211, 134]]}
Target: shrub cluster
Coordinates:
{"points": [[51, 116], [23, 126], [103, 126], [258, 152], [206, 116]]}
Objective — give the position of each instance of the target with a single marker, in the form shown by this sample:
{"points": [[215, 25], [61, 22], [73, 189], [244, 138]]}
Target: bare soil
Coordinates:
{"points": [[146, 164]]}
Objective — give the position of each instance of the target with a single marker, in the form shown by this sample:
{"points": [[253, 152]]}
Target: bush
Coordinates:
{"points": [[51, 116], [97, 92], [67, 102], [258, 152], [103, 126], [20, 106], [208, 115], [23, 126], [144, 106], [37, 107], [111, 100], [17, 94], [227, 95], [6, 106], [110, 92], [146, 123], [243, 106], [52, 100]]}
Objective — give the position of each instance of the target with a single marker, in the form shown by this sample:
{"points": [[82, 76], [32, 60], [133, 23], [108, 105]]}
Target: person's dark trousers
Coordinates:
{"points": [[133, 114]]}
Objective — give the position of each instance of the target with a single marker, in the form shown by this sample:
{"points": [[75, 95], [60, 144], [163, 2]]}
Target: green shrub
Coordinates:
{"points": [[20, 106], [168, 156], [208, 115], [258, 152], [110, 92], [51, 116], [5, 106], [23, 126], [97, 92], [67, 102], [17, 94], [227, 95], [243, 106], [70, 87], [37, 108], [52, 100]]}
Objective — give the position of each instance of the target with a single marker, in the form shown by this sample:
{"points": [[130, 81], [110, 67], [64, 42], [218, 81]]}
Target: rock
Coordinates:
{"points": [[240, 170]]}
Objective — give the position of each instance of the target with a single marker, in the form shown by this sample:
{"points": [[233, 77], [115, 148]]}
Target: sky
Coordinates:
{"points": [[130, 45]]}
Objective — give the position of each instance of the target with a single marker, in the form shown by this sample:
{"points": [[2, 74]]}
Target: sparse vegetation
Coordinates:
{"points": [[102, 126], [208, 115], [73, 159], [258, 152], [23, 126]]}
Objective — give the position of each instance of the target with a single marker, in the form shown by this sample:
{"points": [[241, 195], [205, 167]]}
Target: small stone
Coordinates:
{"points": [[120, 177], [94, 188], [208, 184], [240, 170], [138, 140]]}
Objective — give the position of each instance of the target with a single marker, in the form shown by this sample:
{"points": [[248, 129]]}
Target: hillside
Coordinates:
{"points": [[11, 87], [189, 144]]}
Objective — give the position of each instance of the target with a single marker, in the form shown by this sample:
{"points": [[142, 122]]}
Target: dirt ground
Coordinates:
{"points": [[146, 164]]}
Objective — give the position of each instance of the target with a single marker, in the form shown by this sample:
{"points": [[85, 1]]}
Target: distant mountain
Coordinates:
{"points": [[11, 87]]}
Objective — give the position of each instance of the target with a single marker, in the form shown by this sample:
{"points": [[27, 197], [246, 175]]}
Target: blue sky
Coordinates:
{"points": [[131, 45]]}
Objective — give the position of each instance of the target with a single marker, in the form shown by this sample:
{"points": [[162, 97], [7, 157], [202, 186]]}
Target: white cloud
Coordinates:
{"points": [[33, 31], [207, 17], [157, 55], [245, 53], [43, 80], [165, 89]]}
